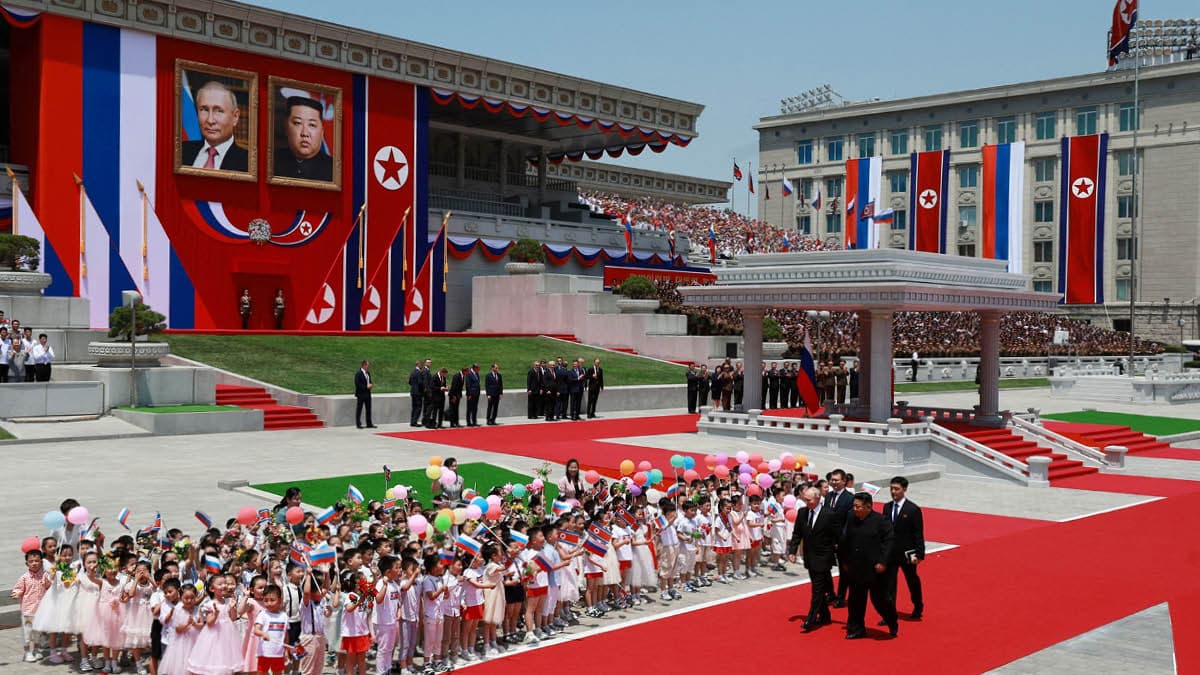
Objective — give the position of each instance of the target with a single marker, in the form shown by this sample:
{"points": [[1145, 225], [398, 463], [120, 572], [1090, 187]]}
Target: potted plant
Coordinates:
{"points": [[19, 257], [773, 343], [638, 294], [117, 352], [526, 257]]}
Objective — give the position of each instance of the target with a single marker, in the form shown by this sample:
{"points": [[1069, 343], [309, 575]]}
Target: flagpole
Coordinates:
{"points": [[1135, 244], [82, 227], [733, 191], [782, 196], [12, 179]]}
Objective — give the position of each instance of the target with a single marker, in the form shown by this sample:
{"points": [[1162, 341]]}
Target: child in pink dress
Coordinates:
{"points": [[86, 600], [105, 629], [186, 628], [249, 608], [218, 649], [135, 627]]}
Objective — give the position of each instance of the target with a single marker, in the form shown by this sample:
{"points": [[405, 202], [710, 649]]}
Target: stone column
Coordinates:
{"points": [[989, 368], [864, 362], [503, 168], [752, 337], [460, 168], [881, 366], [543, 165]]}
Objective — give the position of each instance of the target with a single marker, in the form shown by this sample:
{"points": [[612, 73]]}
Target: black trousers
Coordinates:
{"points": [[363, 402], [560, 410], [774, 395], [452, 411], [576, 403], [910, 578], [41, 372], [418, 402], [593, 396], [473, 410], [493, 408], [737, 396], [3, 372], [703, 397], [915, 365], [692, 400], [533, 405], [877, 588], [822, 586], [549, 405]]}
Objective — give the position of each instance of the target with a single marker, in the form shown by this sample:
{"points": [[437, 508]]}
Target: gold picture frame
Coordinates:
{"points": [[238, 161], [296, 110]]}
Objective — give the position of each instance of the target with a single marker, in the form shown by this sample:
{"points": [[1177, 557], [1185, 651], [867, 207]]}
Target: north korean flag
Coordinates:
{"points": [[1123, 19], [1081, 219], [927, 200]]}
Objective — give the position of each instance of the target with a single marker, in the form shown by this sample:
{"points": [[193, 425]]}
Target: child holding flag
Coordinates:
{"points": [[433, 592], [474, 586]]}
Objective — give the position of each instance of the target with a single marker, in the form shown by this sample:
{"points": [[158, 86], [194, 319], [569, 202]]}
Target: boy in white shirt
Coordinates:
{"points": [[387, 611], [755, 522], [271, 627], [777, 532], [687, 529], [668, 552]]}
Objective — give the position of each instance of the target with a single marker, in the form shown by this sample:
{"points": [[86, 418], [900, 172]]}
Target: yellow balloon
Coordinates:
{"points": [[435, 461], [801, 461], [390, 494], [433, 472], [460, 515]]}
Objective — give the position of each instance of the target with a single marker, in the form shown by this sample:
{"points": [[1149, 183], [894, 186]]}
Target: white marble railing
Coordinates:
{"points": [[1056, 441], [1086, 371], [997, 460], [936, 414], [1182, 378]]}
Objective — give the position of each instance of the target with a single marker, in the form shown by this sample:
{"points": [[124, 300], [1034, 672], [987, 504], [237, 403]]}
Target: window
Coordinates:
{"points": [[1126, 206], [1043, 211], [1085, 121], [966, 250], [1044, 169], [1125, 247], [933, 137], [1125, 163], [968, 134], [1043, 286], [833, 148], [966, 216], [833, 187], [1043, 251], [900, 142], [1122, 294], [833, 222], [806, 190], [898, 181], [1045, 126], [900, 220], [968, 176], [1006, 130], [1129, 117], [804, 224], [804, 152], [866, 145]]}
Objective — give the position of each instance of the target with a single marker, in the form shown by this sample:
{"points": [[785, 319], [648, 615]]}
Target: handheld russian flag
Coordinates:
{"points": [[354, 494], [204, 519], [600, 532], [123, 517], [673, 491], [446, 556], [518, 538], [541, 562], [869, 488], [325, 516], [560, 508], [323, 553], [625, 516], [595, 546], [660, 522], [570, 537], [712, 243], [468, 545], [774, 508], [213, 564], [627, 224]]}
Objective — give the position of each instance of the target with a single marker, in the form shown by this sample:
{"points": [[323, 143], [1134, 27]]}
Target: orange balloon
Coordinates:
{"points": [[801, 460], [435, 461], [627, 467]]}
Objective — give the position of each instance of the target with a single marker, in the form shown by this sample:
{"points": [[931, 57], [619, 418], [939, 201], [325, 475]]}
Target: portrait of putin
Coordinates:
{"points": [[218, 114]]}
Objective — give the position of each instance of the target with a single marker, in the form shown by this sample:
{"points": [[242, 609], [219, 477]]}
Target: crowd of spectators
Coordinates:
{"points": [[931, 334]]}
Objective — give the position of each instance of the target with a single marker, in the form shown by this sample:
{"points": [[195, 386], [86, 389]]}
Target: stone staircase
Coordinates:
{"points": [[1101, 435], [275, 416], [1006, 441]]}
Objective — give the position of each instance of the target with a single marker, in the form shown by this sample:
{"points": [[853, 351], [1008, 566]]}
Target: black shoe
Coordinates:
{"points": [[358, 426], [894, 629], [916, 614], [825, 620], [372, 426], [839, 603], [809, 626], [857, 634], [882, 623]]}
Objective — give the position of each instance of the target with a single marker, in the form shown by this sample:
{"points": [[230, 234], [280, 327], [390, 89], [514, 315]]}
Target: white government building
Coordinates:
{"points": [[810, 142]]}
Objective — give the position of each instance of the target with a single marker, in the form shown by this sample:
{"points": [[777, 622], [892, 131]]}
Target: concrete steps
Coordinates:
{"points": [[1099, 436], [275, 416]]}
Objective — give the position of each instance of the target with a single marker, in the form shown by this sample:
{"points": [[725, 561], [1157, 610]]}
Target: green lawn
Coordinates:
{"points": [[4, 435], [181, 408], [325, 491], [967, 385], [1146, 424], [326, 365]]}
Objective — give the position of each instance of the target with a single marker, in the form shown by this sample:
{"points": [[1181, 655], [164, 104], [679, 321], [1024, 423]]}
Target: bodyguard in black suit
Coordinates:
{"points": [[362, 395], [562, 397], [435, 398], [575, 382], [595, 385], [705, 382], [867, 548], [841, 501], [549, 390], [773, 385], [494, 388], [455, 392], [533, 391], [908, 547], [416, 393], [693, 387], [818, 528], [473, 395]]}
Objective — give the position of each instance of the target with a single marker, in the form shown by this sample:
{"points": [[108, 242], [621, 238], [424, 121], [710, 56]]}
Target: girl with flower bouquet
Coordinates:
{"points": [[104, 628], [86, 600], [55, 616]]}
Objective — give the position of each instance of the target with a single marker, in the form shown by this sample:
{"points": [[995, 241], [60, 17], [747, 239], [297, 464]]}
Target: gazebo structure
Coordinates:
{"points": [[876, 284]]}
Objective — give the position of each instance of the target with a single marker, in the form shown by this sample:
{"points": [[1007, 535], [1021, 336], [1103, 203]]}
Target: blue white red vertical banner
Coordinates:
{"points": [[1081, 219], [1001, 222], [928, 182], [864, 180], [806, 379]]}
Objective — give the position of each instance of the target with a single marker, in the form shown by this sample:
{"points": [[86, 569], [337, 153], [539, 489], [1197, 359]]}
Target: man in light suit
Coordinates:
{"points": [[362, 394], [818, 528], [218, 114], [908, 545]]}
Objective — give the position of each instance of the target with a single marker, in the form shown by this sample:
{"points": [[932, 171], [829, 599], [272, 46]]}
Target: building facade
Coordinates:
{"points": [[811, 148]]}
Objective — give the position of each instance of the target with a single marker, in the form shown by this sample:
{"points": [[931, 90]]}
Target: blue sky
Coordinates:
{"points": [[739, 59]]}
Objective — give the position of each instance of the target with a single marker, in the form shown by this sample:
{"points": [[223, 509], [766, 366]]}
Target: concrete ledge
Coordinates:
{"points": [[214, 422], [1179, 438], [51, 399], [161, 386]]}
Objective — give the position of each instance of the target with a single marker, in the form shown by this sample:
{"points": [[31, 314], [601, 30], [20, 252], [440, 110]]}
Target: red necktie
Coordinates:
{"points": [[211, 162]]}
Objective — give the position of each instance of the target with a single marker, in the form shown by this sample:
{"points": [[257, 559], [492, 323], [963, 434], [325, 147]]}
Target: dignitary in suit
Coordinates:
{"points": [[575, 382], [362, 395], [595, 385], [693, 387], [549, 389], [818, 529], [533, 391], [454, 397], [868, 547], [773, 384], [217, 113], [739, 385], [435, 399], [416, 393], [705, 384], [473, 395], [494, 388], [305, 156], [840, 501], [562, 397], [908, 545]]}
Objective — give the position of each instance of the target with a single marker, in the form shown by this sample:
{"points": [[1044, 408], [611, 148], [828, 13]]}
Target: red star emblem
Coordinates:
{"points": [[391, 167]]}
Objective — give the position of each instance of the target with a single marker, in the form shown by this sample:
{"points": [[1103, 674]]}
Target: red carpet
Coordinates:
{"points": [[1191, 454], [1101, 435], [275, 417], [1132, 485], [1185, 627], [964, 527]]}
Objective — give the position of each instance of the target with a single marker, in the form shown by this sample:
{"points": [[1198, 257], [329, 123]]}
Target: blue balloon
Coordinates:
{"points": [[54, 520], [656, 476], [481, 503], [689, 462], [518, 491]]}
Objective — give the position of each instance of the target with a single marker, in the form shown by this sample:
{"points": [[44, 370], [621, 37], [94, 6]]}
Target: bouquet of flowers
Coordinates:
{"points": [[277, 533], [66, 573], [183, 548], [106, 562], [356, 511], [365, 591]]}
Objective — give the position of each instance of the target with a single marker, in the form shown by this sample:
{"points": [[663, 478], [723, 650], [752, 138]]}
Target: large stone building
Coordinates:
{"points": [[811, 147]]}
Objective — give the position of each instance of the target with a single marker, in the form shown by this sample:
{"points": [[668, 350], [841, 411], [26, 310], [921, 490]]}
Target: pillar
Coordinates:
{"points": [[503, 168], [989, 368], [460, 167], [880, 351], [543, 164], [864, 363], [752, 339]]}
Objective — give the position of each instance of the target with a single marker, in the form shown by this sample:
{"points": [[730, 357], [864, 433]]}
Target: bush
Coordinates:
{"points": [[637, 287], [527, 251], [148, 322], [19, 253], [1194, 363], [1175, 349], [771, 330]]}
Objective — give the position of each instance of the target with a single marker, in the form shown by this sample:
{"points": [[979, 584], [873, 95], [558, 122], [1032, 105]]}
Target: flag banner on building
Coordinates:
{"points": [[930, 176], [1081, 219], [806, 378], [787, 187], [1123, 19], [1001, 222], [864, 179]]}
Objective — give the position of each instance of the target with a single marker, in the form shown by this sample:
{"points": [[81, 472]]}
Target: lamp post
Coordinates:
{"points": [[818, 317], [131, 299]]}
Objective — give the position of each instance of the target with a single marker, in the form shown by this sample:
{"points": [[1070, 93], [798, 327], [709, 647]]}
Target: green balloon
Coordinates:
{"points": [[443, 522]]}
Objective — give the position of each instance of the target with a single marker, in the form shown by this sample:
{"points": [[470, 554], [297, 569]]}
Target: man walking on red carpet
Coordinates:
{"points": [[908, 547], [868, 545], [817, 527]]}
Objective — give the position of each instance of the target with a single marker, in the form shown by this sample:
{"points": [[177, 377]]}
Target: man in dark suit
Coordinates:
{"points": [[435, 398], [739, 385], [773, 384], [693, 387], [575, 383], [595, 385], [818, 528], [362, 395], [533, 391], [549, 390], [494, 388], [455, 397], [416, 393], [840, 501], [852, 379], [908, 547], [705, 382], [563, 395], [473, 395], [868, 543], [217, 113]]}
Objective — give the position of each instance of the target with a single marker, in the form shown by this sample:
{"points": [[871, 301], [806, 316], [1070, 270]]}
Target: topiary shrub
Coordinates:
{"points": [[19, 253], [148, 322], [527, 251], [772, 331], [637, 287]]}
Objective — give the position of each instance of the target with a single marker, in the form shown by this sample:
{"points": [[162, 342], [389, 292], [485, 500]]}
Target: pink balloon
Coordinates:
{"points": [[474, 512], [30, 544], [537, 484], [574, 503], [417, 524], [745, 468], [788, 462], [710, 461], [400, 492], [721, 458], [294, 515], [755, 458], [790, 515], [78, 516], [247, 515], [721, 471], [753, 491], [640, 478], [494, 500], [691, 475], [742, 457], [644, 465], [591, 477], [744, 478], [448, 477], [774, 465], [635, 490], [789, 501], [494, 511], [765, 481]]}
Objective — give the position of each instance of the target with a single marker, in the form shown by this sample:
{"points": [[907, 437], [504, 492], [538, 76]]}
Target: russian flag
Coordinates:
{"points": [[204, 519], [467, 544], [518, 538], [324, 553], [1081, 219], [628, 223], [123, 518], [18, 17], [806, 379], [787, 187], [864, 180], [541, 562], [816, 202], [213, 564], [559, 507], [354, 494], [660, 521], [673, 491], [325, 516], [885, 217], [787, 243], [712, 243], [1001, 222], [446, 556], [928, 188], [869, 488]]}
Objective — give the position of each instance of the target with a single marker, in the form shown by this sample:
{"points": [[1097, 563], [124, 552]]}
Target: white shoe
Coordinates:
{"points": [[492, 651], [665, 595], [30, 657], [530, 639]]}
